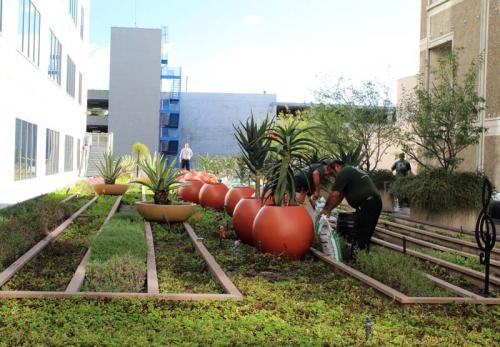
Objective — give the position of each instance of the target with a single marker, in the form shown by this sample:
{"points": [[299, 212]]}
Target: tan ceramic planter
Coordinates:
{"points": [[165, 213], [110, 189]]}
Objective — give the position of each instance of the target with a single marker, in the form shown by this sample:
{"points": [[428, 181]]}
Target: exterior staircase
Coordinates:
{"points": [[96, 144]]}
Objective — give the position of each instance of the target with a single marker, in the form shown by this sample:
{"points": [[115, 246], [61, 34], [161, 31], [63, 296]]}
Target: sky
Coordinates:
{"points": [[290, 48]]}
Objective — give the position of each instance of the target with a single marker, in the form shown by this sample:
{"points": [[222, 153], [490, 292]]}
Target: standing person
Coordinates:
{"points": [[185, 156], [309, 182], [360, 192], [402, 166]]}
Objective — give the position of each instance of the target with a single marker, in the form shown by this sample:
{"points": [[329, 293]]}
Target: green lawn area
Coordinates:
{"points": [[297, 303]]}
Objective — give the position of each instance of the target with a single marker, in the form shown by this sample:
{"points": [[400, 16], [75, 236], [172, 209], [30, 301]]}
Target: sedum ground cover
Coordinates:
{"points": [[286, 303]]}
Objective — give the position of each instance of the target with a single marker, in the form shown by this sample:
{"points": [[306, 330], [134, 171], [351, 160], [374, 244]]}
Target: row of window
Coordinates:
{"points": [[26, 151], [29, 33]]}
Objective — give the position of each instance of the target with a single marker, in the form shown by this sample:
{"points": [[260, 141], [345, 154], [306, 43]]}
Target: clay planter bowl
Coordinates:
{"points": [[213, 195], [110, 189], [190, 190], [234, 195], [243, 216], [165, 213], [283, 230]]}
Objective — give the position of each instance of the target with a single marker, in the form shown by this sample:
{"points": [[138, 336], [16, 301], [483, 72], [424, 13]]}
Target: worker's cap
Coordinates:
{"points": [[337, 161], [328, 162]]}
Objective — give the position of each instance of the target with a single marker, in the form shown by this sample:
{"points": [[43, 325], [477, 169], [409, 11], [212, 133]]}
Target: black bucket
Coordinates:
{"points": [[346, 224]]}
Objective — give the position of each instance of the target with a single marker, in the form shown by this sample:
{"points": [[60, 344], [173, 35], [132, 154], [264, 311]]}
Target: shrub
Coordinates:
{"points": [[120, 273], [396, 270], [380, 177], [438, 190]]}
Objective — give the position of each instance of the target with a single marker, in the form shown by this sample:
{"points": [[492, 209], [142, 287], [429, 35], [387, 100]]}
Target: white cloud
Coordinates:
{"points": [[251, 20], [98, 67]]}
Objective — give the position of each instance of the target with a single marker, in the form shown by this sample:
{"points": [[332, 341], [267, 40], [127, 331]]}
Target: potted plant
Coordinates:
{"points": [[254, 142], [285, 227], [236, 193], [163, 180], [110, 169]]}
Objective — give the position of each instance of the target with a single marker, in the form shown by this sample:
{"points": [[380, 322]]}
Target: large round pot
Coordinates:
{"points": [[110, 189], [243, 216], [284, 230], [165, 213], [234, 195], [213, 195], [190, 190]]}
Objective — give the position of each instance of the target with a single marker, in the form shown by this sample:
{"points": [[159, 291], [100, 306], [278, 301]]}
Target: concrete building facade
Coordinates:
{"points": [[43, 51], [473, 25]]}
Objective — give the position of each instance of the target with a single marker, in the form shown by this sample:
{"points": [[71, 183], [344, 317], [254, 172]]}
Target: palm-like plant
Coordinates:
{"points": [[139, 152], [353, 157], [290, 149], [162, 177], [255, 144], [109, 168]]}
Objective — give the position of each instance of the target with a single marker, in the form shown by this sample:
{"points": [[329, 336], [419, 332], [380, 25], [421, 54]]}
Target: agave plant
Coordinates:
{"points": [[353, 157], [110, 168], [162, 177], [255, 144], [290, 149]]}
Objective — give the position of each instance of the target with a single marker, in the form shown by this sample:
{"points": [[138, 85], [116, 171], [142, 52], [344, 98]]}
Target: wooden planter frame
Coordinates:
{"points": [[466, 296], [73, 288]]}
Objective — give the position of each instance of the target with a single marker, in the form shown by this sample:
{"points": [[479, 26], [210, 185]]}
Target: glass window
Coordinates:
{"points": [[80, 84], [78, 150], [68, 153], [29, 30], [55, 58], [73, 5], [82, 23], [70, 77], [51, 152], [25, 150]]}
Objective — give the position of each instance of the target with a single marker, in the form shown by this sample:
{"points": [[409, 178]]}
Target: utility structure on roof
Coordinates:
{"points": [[170, 104]]}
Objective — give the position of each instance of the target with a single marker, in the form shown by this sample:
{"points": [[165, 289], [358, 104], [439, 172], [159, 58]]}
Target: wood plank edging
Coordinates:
{"points": [[461, 269], [70, 198], [214, 267], [379, 286], [76, 282], [152, 275], [20, 262], [449, 286], [112, 295]]}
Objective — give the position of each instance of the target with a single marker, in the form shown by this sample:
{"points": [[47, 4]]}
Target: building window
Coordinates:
{"points": [[55, 58], [82, 22], [25, 150], [73, 5], [78, 150], [1, 6], [80, 84], [29, 30], [68, 153], [70, 77], [51, 152]]}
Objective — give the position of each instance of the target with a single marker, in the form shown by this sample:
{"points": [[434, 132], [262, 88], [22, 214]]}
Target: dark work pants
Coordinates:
{"points": [[185, 164], [366, 220]]}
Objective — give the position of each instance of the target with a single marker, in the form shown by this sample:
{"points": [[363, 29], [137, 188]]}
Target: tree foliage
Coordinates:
{"points": [[442, 119], [349, 116]]}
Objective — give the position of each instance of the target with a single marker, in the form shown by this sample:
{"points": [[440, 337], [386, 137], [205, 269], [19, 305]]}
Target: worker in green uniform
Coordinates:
{"points": [[360, 192], [310, 180]]}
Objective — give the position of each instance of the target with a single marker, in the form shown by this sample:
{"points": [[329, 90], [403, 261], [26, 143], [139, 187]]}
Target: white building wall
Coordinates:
{"points": [[27, 93]]}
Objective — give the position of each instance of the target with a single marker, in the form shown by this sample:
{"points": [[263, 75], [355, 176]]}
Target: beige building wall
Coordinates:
{"points": [[473, 25]]}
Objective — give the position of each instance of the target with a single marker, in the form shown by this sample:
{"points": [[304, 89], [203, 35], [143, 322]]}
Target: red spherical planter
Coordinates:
{"points": [[243, 216], [234, 195], [284, 230], [213, 195], [190, 190]]}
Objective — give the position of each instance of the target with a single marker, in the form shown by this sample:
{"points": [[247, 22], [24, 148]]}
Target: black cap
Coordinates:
{"points": [[337, 161], [327, 162]]}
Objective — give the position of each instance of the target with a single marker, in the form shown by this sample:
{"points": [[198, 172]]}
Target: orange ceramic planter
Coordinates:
{"points": [[110, 189], [284, 230], [243, 217], [234, 195], [213, 195], [165, 213], [190, 190]]}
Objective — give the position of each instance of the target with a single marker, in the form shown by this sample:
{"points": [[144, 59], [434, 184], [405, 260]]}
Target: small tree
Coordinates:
{"points": [[139, 153], [442, 119], [351, 116]]}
